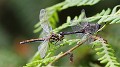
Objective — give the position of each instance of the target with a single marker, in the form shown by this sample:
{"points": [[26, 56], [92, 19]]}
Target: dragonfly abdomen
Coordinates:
{"points": [[32, 40], [74, 32]]}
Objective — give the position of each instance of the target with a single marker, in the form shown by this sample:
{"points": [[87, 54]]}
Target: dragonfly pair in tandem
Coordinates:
{"points": [[85, 28]]}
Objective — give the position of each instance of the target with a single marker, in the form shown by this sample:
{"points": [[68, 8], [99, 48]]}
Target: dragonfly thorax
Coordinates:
{"points": [[55, 37]]}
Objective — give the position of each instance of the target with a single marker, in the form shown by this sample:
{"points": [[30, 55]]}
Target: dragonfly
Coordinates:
{"points": [[49, 36], [87, 29], [84, 28]]}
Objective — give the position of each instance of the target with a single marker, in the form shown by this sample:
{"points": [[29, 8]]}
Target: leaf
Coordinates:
{"points": [[53, 10], [106, 53], [115, 20], [104, 16]]}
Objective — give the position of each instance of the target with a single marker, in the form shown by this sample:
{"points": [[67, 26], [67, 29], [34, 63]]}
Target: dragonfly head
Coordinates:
{"points": [[61, 36]]}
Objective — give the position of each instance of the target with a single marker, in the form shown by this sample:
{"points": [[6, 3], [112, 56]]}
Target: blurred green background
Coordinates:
{"points": [[17, 20]]}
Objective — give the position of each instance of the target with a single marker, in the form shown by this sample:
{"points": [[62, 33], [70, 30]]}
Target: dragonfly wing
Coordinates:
{"points": [[84, 21], [76, 27], [89, 40], [43, 48], [84, 24], [85, 36], [79, 26], [44, 22], [43, 34]]}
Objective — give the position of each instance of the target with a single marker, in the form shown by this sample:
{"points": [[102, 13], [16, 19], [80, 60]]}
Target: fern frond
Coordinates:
{"points": [[106, 53], [53, 10], [103, 49], [71, 3], [37, 61], [64, 43], [107, 16], [68, 23]]}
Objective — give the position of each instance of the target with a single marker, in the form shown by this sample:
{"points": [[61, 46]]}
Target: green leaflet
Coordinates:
{"points": [[106, 53], [53, 10]]}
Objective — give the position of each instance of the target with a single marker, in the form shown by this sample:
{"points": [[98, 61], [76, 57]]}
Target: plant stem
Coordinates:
{"points": [[67, 52]]}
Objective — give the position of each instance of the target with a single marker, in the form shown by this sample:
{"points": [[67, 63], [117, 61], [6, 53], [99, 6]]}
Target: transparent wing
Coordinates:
{"points": [[85, 36], [44, 22], [79, 26], [43, 34], [89, 40], [43, 48], [84, 21], [76, 27], [84, 24]]}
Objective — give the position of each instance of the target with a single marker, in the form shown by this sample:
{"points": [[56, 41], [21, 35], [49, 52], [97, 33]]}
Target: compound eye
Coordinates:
{"points": [[61, 33], [99, 26], [52, 35]]}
